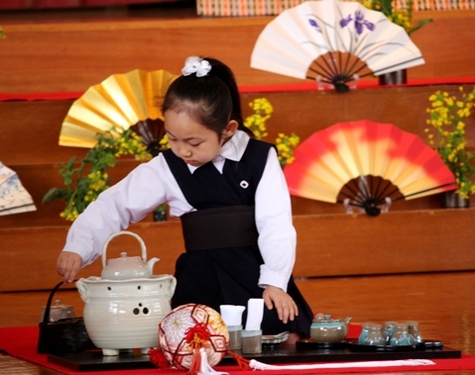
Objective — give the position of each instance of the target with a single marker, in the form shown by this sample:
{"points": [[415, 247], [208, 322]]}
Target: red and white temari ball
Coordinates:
{"points": [[174, 334]]}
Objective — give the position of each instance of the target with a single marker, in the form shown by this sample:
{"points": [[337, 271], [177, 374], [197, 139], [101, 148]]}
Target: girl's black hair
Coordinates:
{"points": [[212, 100]]}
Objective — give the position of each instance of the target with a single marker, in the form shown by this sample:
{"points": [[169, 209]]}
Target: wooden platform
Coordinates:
{"points": [[416, 236], [418, 250]]}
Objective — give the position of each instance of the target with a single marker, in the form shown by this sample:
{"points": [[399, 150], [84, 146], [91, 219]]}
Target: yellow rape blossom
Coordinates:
{"points": [[83, 186], [257, 124], [257, 121], [285, 147], [446, 133]]}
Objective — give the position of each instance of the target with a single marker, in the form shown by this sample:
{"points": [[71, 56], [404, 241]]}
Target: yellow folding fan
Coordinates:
{"points": [[119, 102]]}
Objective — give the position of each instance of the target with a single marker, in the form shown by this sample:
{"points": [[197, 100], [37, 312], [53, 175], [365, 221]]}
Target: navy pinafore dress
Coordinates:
{"points": [[222, 261]]}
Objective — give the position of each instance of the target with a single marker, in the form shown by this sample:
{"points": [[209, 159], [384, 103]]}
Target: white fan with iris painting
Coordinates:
{"points": [[333, 42]]}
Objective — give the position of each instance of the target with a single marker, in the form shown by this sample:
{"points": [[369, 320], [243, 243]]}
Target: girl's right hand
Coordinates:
{"points": [[68, 265], [284, 304]]}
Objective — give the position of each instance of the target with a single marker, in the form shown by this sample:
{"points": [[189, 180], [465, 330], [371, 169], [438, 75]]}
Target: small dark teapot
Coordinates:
{"points": [[58, 311], [325, 329]]}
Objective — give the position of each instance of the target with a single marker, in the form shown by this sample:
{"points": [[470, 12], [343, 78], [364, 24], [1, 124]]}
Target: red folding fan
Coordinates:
{"points": [[366, 164]]}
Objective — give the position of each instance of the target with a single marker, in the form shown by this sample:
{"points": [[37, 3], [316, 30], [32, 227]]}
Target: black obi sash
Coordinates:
{"points": [[224, 202], [221, 227]]}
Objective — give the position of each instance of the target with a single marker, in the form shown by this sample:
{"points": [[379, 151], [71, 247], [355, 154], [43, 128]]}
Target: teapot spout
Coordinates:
{"points": [[348, 320], [151, 264]]}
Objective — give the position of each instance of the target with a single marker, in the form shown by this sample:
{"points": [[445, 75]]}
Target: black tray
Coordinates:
{"points": [[353, 346], [309, 344], [95, 361]]}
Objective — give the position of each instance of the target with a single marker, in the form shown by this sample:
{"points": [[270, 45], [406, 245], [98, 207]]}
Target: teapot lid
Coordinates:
{"points": [[320, 317], [326, 318], [125, 268], [58, 305]]}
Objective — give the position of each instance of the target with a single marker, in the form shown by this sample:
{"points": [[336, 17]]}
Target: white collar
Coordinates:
{"points": [[233, 149]]}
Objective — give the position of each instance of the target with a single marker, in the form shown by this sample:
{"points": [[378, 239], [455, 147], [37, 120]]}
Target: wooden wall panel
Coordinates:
{"points": [[31, 130], [328, 245], [61, 4], [28, 255], [32, 127], [396, 242], [72, 56]]}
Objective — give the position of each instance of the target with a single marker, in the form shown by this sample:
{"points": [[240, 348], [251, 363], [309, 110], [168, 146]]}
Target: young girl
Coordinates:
{"points": [[230, 193]]}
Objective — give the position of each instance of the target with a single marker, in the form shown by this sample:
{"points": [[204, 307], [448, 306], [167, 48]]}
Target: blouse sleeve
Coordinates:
{"points": [[129, 201], [277, 235]]}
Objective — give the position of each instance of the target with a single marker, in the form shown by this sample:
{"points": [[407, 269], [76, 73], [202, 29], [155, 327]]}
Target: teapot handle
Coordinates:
{"points": [[48, 303], [171, 290], [114, 235]]}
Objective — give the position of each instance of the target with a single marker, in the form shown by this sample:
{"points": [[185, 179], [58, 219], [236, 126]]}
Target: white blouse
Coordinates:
{"points": [[152, 184]]}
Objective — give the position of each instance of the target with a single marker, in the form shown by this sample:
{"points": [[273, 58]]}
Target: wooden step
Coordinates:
{"points": [[33, 151], [328, 245]]}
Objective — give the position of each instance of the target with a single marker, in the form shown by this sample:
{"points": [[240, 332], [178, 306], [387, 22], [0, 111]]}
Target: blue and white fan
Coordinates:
{"points": [[13, 196]]}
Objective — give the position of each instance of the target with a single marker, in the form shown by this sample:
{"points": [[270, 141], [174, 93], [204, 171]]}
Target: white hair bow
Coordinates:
{"points": [[195, 64]]}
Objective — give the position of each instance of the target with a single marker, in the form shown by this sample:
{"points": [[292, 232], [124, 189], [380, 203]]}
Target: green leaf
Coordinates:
{"points": [[97, 160], [387, 7], [420, 24], [55, 194], [67, 171]]}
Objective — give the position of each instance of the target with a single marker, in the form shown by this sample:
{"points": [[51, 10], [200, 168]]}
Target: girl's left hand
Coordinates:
{"points": [[276, 298]]}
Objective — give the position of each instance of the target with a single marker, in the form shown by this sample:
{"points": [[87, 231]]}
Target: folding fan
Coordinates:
{"points": [[13, 196], [365, 164], [333, 42], [120, 101]]}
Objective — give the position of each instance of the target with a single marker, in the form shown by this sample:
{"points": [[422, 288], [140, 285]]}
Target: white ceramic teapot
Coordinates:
{"points": [[126, 267], [124, 307]]}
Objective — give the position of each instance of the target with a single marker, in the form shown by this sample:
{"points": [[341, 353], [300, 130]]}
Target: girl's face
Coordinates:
{"points": [[191, 141]]}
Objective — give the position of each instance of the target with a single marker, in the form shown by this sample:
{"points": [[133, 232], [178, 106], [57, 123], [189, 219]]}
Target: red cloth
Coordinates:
{"points": [[21, 342], [290, 87], [363, 84], [21, 97]]}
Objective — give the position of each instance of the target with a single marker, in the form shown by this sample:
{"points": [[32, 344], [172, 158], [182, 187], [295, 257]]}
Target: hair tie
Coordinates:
{"points": [[195, 64]]}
